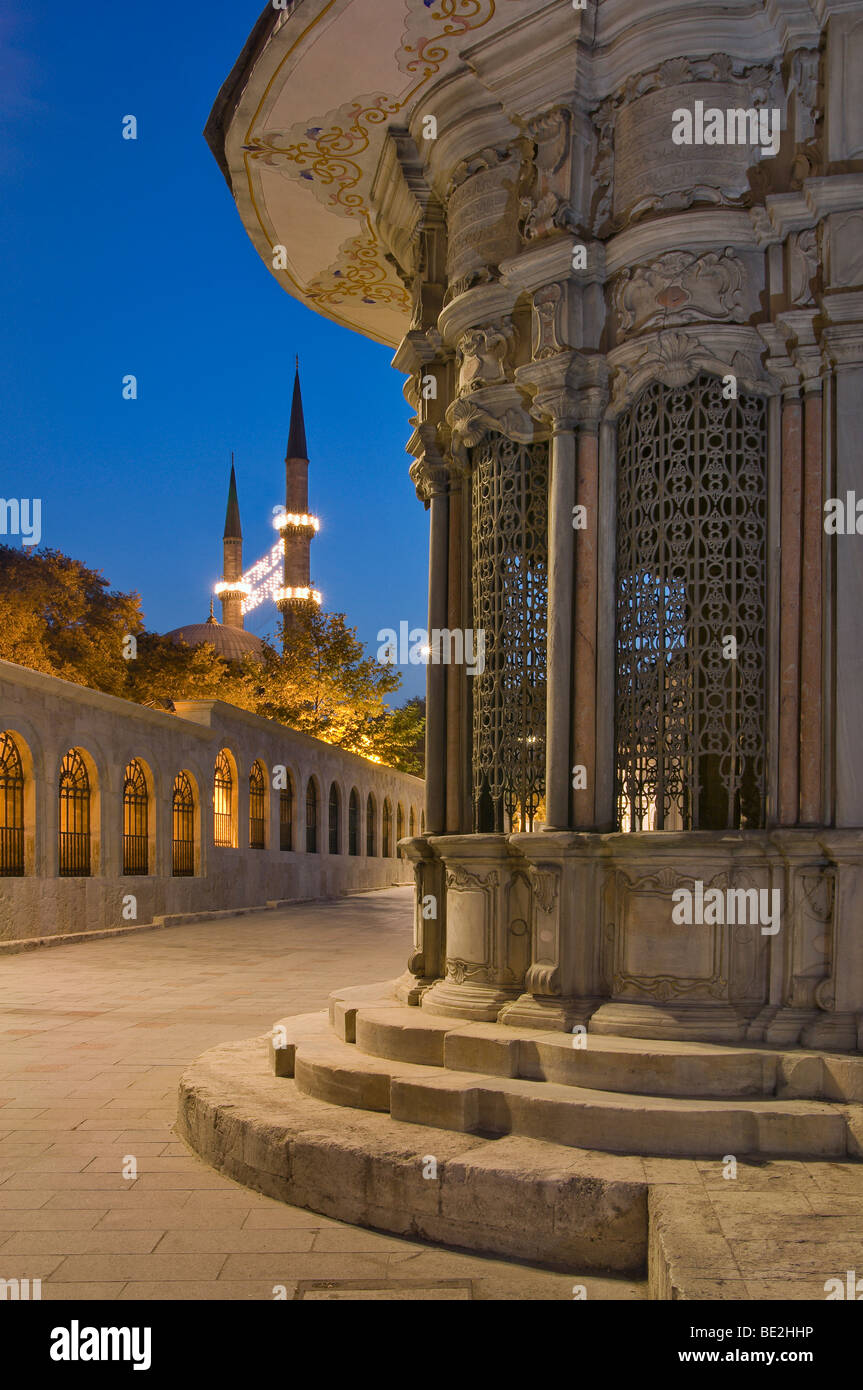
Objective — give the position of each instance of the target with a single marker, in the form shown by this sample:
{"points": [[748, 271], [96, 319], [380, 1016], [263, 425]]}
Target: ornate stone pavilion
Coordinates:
{"points": [[636, 367]]}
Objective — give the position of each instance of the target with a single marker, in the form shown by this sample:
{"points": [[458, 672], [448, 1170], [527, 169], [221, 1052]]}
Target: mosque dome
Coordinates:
{"points": [[232, 643]]}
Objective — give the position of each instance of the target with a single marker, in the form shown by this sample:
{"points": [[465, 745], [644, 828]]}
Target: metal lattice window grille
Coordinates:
{"points": [[286, 816], [510, 603], [136, 817], [182, 827], [74, 809], [691, 572], [257, 808], [412, 824], [387, 848], [371, 846], [223, 803], [400, 823], [311, 817], [11, 809], [334, 819], [353, 823]]}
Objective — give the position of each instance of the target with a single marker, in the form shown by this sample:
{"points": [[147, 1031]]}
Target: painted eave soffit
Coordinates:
{"points": [[319, 127]]}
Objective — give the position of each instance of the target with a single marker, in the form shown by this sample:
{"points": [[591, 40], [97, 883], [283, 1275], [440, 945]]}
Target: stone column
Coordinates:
{"points": [[487, 930], [561, 563], [811, 616], [426, 961], [457, 808], [845, 348], [435, 671], [789, 609], [585, 619]]}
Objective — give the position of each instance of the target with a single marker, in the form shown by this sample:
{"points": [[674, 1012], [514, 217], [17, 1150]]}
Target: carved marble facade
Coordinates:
{"points": [[565, 265]]}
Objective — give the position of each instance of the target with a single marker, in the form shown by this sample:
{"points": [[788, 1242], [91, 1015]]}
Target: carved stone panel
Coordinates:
{"points": [[845, 250], [483, 218], [650, 957], [469, 920], [648, 166], [681, 287]]}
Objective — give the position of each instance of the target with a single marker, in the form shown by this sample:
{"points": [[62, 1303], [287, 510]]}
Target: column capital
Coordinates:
{"points": [[570, 388], [499, 409], [433, 465]]}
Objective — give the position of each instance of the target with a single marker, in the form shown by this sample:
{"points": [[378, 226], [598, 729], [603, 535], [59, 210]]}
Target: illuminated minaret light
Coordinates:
{"points": [[297, 527], [232, 590]]}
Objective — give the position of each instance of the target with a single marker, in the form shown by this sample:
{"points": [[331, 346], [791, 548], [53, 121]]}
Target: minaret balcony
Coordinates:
{"points": [[233, 588], [289, 597], [297, 524]]}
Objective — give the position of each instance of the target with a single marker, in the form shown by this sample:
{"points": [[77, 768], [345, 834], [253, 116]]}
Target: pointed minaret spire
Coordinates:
{"points": [[233, 531], [297, 448], [297, 526], [231, 590]]}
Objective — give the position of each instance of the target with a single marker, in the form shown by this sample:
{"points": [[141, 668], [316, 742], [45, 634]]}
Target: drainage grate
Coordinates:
{"points": [[392, 1290]]}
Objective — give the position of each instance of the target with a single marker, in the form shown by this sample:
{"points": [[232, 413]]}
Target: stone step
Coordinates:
{"points": [[603, 1062], [599, 1063], [516, 1197], [572, 1116]]}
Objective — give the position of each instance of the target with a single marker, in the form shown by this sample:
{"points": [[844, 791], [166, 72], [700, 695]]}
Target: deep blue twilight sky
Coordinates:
{"points": [[129, 257]]}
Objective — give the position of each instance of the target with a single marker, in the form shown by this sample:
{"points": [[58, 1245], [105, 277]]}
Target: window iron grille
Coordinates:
{"points": [[136, 808], [74, 810], [691, 572], [334, 819], [11, 809], [509, 545], [286, 816], [311, 817], [223, 803], [182, 827], [257, 807]]}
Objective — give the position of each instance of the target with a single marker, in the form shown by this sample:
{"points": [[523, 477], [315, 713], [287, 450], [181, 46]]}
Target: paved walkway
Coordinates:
{"points": [[93, 1038]]}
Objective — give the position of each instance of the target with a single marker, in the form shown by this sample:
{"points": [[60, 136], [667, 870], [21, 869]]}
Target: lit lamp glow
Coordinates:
{"points": [[234, 586], [301, 595], [297, 521]]}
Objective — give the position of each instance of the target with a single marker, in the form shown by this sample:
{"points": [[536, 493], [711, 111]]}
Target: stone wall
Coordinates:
{"points": [[48, 717]]}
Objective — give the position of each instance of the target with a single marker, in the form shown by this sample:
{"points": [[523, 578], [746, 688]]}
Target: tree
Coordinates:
{"points": [[399, 738], [323, 684], [60, 617]]}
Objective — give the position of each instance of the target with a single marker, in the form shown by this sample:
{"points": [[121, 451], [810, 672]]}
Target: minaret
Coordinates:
{"points": [[296, 525], [232, 590]]}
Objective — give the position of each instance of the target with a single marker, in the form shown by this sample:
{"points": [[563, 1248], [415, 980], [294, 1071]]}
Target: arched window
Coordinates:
{"points": [[286, 815], [334, 820], [311, 816], [74, 792], [422, 822], [257, 808], [412, 823], [400, 823], [690, 725], [11, 809], [223, 803], [353, 823], [371, 838], [183, 827], [136, 819], [388, 830]]}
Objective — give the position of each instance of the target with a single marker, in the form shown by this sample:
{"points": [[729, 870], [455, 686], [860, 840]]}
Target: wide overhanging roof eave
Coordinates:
{"points": [[231, 89]]}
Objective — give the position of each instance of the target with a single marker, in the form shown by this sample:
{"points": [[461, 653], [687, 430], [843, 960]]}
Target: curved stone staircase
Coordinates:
{"points": [[534, 1145]]}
